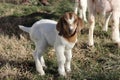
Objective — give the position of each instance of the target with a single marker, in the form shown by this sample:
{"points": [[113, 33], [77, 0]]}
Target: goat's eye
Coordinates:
{"points": [[65, 22], [75, 21]]}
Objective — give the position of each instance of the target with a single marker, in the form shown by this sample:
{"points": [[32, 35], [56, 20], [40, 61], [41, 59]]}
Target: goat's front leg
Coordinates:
{"points": [[76, 6], [91, 30], [81, 13], [61, 59], [115, 28], [84, 15], [91, 18], [68, 55], [105, 27]]}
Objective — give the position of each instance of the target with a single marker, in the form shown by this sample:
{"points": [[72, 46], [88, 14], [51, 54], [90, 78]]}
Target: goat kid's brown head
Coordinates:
{"points": [[69, 24]]}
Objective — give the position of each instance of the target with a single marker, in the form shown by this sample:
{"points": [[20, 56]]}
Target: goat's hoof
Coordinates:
{"points": [[63, 74], [90, 46], [85, 21], [105, 29], [45, 67], [41, 74], [68, 70], [118, 44]]}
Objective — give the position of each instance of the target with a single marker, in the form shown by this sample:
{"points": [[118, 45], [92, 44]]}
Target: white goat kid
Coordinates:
{"points": [[62, 35]]}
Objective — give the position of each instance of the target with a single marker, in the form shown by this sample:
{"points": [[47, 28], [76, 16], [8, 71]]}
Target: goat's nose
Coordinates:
{"points": [[71, 29]]}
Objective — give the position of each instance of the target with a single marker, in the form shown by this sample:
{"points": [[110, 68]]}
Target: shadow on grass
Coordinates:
{"points": [[26, 66], [16, 69], [9, 24]]}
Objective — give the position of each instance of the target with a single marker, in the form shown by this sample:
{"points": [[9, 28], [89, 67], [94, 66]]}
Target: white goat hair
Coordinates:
{"points": [[112, 7], [62, 35], [81, 8]]}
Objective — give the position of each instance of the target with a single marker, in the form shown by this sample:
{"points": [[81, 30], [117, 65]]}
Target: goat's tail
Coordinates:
{"points": [[26, 29]]}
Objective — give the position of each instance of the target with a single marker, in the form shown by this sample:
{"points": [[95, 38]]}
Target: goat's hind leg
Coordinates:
{"points": [[105, 27], [38, 57], [38, 64], [42, 61]]}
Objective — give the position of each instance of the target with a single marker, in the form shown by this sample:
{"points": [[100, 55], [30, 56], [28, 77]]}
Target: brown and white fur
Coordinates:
{"points": [[61, 35], [112, 7]]}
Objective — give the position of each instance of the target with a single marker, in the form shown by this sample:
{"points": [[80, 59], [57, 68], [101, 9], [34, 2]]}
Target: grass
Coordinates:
{"points": [[16, 62]]}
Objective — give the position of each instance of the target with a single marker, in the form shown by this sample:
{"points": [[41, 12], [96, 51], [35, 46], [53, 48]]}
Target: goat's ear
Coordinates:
{"points": [[59, 26], [80, 24]]}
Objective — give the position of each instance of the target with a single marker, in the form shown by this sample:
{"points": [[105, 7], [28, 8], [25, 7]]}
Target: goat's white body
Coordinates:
{"points": [[44, 29], [44, 33]]}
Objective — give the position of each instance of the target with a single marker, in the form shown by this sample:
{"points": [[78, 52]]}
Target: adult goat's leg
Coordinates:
{"points": [[91, 21], [105, 27], [115, 28]]}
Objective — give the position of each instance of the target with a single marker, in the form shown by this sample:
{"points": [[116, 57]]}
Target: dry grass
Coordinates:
{"points": [[14, 57], [16, 61]]}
